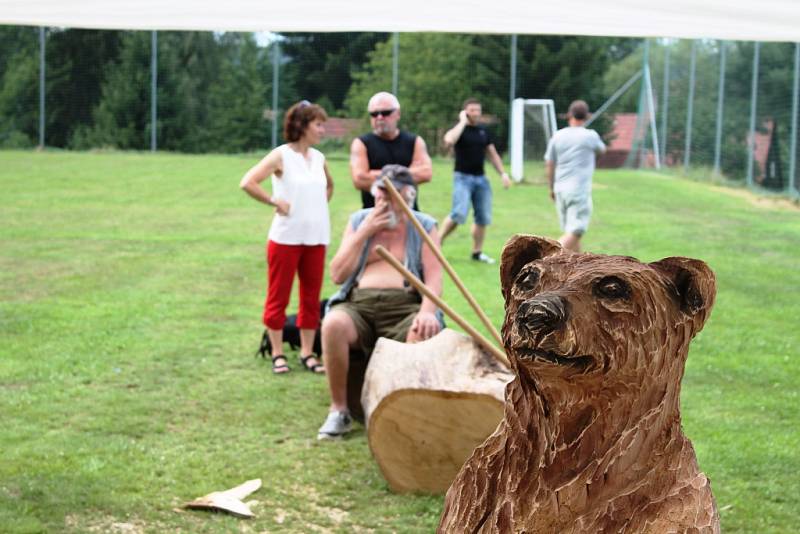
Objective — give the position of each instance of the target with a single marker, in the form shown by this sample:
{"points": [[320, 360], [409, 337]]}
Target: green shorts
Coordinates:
{"points": [[380, 313]]}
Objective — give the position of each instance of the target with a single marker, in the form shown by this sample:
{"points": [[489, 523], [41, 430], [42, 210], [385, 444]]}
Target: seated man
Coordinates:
{"points": [[375, 300]]}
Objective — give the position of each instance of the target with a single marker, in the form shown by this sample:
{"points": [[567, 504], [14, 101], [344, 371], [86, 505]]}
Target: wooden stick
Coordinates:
{"points": [[422, 288], [438, 253]]}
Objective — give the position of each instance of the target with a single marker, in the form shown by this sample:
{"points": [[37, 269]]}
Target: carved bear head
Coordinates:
{"points": [[586, 322]]}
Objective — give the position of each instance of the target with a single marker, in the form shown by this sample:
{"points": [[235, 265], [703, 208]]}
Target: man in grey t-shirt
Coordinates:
{"points": [[569, 162]]}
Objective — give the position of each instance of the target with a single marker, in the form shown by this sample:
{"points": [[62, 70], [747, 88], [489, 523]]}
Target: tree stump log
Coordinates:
{"points": [[428, 405]]}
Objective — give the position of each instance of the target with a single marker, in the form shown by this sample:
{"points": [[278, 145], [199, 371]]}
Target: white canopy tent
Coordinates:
{"points": [[766, 20]]}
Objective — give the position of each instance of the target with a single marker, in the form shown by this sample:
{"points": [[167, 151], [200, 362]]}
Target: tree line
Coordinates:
{"points": [[215, 89]]}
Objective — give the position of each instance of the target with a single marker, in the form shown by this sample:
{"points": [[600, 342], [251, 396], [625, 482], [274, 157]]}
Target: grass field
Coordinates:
{"points": [[131, 288]]}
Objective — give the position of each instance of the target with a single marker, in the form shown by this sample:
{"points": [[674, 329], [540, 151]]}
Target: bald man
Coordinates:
{"points": [[386, 145]]}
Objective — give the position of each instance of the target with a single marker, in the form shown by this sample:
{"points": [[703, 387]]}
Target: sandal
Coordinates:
{"points": [[316, 368], [280, 368]]}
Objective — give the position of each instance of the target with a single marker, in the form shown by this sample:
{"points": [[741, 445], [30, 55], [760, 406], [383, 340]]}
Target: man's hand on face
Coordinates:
{"points": [[425, 325], [462, 117], [381, 217]]}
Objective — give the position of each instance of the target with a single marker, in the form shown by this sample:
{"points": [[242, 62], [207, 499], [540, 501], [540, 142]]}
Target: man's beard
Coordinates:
{"points": [[385, 128], [392, 219]]}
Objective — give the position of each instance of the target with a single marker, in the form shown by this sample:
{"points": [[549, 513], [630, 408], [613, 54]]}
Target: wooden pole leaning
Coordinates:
{"points": [[438, 253], [498, 354]]}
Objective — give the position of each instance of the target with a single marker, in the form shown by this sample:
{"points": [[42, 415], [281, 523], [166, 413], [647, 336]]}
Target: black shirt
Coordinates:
{"points": [[470, 149], [380, 152]]}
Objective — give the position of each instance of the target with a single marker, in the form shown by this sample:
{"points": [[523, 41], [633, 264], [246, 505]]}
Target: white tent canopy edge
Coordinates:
{"points": [[766, 20]]}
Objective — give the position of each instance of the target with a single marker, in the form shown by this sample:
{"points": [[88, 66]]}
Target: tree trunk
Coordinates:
{"points": [[428, 405]]}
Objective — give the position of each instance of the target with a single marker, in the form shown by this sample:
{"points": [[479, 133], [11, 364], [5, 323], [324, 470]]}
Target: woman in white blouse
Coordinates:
{"points": [[300, 231]]}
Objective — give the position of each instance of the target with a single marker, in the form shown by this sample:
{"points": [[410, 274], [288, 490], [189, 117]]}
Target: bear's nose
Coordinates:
{"points": [[543, 313]]}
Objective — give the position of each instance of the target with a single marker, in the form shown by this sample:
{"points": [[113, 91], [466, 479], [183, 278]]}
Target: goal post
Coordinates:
{"points": [[533, 123]]}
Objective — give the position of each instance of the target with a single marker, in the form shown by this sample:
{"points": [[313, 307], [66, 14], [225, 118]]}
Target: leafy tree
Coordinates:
{"points": [[19, 86], [238, 100], [320, 65], [436, 71], [188, 66], [122, 116], [76, 64]]}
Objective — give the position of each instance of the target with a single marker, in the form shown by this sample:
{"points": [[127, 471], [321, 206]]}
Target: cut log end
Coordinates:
{"points": [[420, 440]]}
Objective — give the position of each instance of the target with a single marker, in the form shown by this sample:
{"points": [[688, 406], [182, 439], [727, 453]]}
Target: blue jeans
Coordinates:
{"points": [[471, 188]]}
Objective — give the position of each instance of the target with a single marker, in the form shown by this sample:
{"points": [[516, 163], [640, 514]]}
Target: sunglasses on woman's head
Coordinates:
{"points": [[381, 112]]}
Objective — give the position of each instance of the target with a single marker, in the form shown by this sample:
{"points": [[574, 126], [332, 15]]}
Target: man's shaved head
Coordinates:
{"points": [[382, 99]]}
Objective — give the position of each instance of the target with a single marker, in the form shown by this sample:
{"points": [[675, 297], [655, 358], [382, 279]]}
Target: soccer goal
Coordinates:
{"points": [[533, 123]]}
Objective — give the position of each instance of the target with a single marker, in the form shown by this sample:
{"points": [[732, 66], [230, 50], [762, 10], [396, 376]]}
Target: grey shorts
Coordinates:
{"points": [[380, 313], [574, 210]]}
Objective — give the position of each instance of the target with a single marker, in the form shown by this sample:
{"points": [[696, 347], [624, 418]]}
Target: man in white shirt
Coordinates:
{"points": [[569, 162]]}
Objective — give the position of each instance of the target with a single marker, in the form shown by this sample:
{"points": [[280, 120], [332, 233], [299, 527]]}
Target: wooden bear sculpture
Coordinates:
{"points": [[591, 439]]}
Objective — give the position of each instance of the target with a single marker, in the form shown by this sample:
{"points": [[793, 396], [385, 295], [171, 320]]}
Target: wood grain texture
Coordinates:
{"points": [[428, 405], [591, 439]]}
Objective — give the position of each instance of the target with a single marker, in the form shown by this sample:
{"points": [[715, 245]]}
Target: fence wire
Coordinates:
{"points": [[716, 108]]}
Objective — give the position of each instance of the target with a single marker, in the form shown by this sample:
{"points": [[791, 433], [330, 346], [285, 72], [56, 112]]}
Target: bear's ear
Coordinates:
{"points": [[520, 250], [694, 284]]}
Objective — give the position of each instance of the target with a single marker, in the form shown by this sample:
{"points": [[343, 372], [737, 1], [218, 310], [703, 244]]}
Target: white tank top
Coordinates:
{"points": [[304, 186]]}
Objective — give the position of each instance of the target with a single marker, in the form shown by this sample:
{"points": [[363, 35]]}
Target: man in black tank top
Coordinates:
{"points": [[384, 145]]}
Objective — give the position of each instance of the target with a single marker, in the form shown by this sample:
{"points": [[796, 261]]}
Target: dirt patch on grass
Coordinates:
{"points": [[337, 516], [106, 525], [13, 385], [764, 202], [13, 492]]}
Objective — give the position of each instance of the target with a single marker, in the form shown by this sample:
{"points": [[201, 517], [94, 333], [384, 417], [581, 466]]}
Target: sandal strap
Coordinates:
{"points": [[312, 368], [276, 366]]}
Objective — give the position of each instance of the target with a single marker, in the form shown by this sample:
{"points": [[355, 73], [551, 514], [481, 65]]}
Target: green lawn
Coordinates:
{"points": [[131, 288]]}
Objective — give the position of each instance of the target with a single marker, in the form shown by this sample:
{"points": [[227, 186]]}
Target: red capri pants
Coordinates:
{"points": [[308, 261]]}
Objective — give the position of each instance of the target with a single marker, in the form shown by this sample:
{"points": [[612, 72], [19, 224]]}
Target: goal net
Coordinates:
{"points": [[533, 122]]}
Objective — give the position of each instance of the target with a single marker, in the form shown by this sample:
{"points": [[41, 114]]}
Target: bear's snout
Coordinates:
{"points": [[542, 314]]}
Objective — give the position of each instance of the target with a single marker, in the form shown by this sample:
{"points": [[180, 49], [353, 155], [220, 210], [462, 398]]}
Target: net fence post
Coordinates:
{"points": [[153, 89], [512, 85], [720, 109], [665, 104], [793, 189], [687, 150], [751, 136], [42, 31], [275, 81], [395, 61], [651, 106]]}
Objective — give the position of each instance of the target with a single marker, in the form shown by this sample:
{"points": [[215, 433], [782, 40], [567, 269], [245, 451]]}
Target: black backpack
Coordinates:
{"points": [[291, 335]]}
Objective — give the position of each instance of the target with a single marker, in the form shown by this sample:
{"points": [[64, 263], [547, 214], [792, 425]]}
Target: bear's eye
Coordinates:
{"points": [[612, 287], [527, 280]]}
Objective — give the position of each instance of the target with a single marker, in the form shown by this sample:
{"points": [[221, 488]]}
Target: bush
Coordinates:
{"points": [[16, 139]]}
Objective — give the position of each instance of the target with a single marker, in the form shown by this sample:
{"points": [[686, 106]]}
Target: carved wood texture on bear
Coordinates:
{"points": [[591, 439]]}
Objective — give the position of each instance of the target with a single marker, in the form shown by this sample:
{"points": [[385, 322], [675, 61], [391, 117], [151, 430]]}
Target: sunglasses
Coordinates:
{"points": [[381, 112]]}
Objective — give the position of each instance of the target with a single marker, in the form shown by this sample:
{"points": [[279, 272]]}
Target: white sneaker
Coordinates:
{"points": [[483, 258], [335, 426]]}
